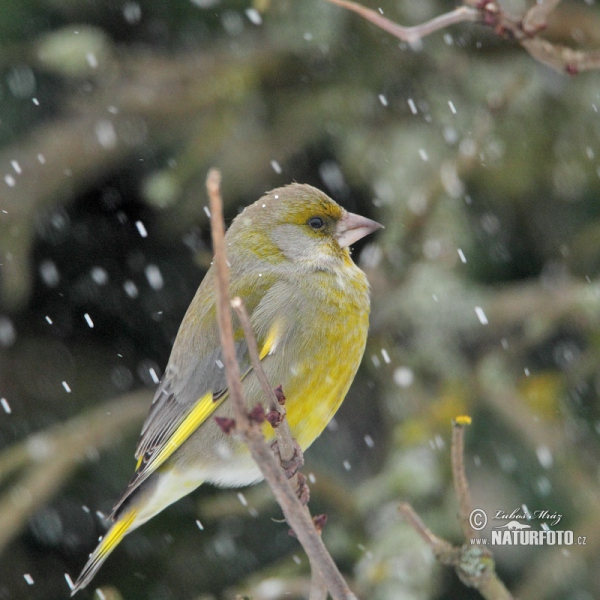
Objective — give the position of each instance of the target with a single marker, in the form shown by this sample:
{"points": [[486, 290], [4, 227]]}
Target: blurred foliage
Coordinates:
{"points": [[482, 164]]}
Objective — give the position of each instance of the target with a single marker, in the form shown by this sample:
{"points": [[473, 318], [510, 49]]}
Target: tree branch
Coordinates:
{"points": [[297, 515], [417, 32], [473, 564], [461, 485], [524, 30]]}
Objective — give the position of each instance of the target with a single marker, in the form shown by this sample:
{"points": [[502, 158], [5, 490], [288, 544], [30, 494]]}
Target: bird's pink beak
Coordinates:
{"points": [[351, 228]]}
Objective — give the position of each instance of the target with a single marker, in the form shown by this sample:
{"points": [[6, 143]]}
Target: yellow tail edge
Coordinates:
{"points": [[108, 543]]}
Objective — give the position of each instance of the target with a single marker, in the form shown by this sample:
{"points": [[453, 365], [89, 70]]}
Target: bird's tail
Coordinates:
{"points": [[109, 542]]}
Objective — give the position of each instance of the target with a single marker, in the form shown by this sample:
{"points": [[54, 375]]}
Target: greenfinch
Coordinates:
{"points": [[309, 307]]}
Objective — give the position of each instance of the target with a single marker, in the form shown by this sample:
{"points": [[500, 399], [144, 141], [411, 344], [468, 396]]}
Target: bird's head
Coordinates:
{"points": [[301, 224]]}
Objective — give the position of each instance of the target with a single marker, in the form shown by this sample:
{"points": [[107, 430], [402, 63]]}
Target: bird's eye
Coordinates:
{"points": [[316, 223]]}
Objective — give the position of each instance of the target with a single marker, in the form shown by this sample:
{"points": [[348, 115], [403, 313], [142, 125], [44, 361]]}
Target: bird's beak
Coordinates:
{"points": [[351, 228]]}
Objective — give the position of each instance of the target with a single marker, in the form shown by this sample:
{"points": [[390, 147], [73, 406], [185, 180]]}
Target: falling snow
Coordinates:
{"points": [[5, 406], [154, 277], [481, 315], [92, 60], [106, 134], [130, 288], [66, 386], [153, 375], [544, 455], [254, 16], [49, 273], [403, 377], [8, 334], [132, 12], [141, 229], [69, 581], [88, 320], [99, 275]]}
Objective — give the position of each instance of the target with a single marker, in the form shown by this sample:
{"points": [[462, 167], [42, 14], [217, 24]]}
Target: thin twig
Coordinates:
{"points": [[461, 485], [297, 515], [417, 32], [239, 308], [473, 564], [524, 30], [443, 551], [537, 16], [232, 369], [283, 433]]}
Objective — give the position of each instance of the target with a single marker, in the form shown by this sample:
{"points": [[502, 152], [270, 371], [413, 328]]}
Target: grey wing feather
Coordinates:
{"points": [[178, 393], [175, 397]]}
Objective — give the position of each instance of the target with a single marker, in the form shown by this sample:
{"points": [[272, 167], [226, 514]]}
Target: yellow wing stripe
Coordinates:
{"points": [[203, 409], [205, 406], [271, 341], [116, 533], [109, 542]]}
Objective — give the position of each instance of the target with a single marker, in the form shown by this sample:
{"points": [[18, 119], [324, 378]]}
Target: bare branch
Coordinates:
{"points": [[443, 551], [239, 308], [491, 14], [234, 382], [562, 58], [318, 587], [461, 485], [297, 515], [285, 441], [536, 17], [473, 564], [412, 34]]}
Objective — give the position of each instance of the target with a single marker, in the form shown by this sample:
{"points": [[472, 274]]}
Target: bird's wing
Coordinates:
{"points": [[192, 388]]}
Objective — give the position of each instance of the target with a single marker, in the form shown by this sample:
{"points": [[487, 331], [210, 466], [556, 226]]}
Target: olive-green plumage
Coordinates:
{"points": [[309, 307]]}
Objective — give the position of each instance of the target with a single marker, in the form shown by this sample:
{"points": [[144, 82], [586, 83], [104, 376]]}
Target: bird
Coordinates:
{"points": [[289, 261]]}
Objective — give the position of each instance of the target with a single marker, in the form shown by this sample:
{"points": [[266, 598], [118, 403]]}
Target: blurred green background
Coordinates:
{"points": [[482, 164]]}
